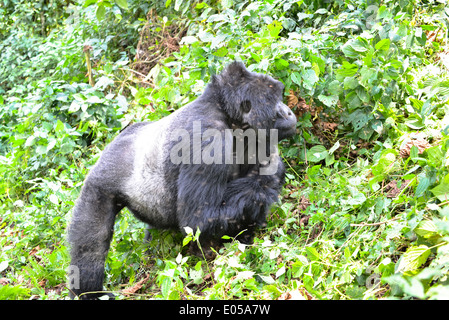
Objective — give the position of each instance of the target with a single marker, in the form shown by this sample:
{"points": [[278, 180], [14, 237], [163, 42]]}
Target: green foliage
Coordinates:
{"points": [[365, 211]]}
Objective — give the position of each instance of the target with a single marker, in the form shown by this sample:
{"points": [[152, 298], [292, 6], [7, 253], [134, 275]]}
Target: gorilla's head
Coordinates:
{"points": [[253, 100]]}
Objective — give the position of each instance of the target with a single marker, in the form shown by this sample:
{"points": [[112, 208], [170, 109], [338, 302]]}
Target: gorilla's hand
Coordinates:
{"points": [[272, 181]]}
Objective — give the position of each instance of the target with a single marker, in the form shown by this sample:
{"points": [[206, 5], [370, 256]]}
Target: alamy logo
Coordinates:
{"points": [[73, 277], [213, 146]]}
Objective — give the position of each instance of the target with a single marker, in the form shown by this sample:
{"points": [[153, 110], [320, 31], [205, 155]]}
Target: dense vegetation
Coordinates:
{"points": [[365, 211]]}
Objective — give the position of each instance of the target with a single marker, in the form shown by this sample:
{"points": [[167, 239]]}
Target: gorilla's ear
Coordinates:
{"points": [[215, 80], [245, 106], [234, 73], [237, 68]]}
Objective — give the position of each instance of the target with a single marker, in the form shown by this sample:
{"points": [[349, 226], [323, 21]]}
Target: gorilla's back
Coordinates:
{"points": [[147, 193]]}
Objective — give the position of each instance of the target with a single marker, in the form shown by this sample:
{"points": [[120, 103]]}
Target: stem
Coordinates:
{"points": [[86, 50]]}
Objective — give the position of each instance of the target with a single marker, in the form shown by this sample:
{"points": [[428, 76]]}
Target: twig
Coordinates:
{"points": [[305, 151], [443, 203], [142, 75], [371, 224]]}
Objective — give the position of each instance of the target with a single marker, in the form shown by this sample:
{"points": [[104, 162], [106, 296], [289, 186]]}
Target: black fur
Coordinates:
{"points": [[135, 171]]}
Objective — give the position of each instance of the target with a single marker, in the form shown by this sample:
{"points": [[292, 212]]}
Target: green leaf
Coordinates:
{"points": [[368, 75], [30, 141], [302, 16], [377, 126], [410, 286], [365, 133], [174, 295], [94, 99], [3, 265], [313, 172], [186, 240], [387, 158], [328, 100], [423, 184], [362, 94], [330, 159], [368, 59], [319, 62], [274, 29], [89, 2], [413, 258], [358, 118], [59, 126], [335, 147], [200, 5], [347, 69], [41, 149], [122, 4], [317, 153], [316, 68], [51, 143], [196, 276], [67, 147], [54, 199], [165, 287], [321, 11], [281, 64], [382, 12], [188, 40], [310, 78], [280, 272], [272, 290], [221, 52], [334, 87], [100, 12], [414, 152], [383, 45], [178, 4], [312, 254], [435, 156], [360, 45], [441, 191], [354, 47], [267, 279], [350, 83], [8, 292], [356, 198], [426, 229], [296, 78], [414, 122], [349, 51]]}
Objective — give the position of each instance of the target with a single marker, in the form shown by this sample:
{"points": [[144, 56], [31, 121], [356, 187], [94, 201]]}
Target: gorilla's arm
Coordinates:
{"points": [[217, 207]]}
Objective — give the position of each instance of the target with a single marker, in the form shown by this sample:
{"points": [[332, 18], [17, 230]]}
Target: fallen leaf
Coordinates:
{"points": [[299, 294], [432, 35], [292, 100], [392, 188], [329, 126], [417, 140], [136, 287], [304, 203]]}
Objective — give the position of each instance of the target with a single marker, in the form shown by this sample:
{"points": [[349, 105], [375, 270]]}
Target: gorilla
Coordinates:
{"points": [[212, 165]]}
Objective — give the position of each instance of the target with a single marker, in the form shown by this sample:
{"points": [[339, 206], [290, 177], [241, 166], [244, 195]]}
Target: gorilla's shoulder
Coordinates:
{"points": [[133, 128]]}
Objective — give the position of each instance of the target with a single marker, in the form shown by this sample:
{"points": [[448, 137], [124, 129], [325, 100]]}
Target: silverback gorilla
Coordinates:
{"points": [[212, 165]]}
